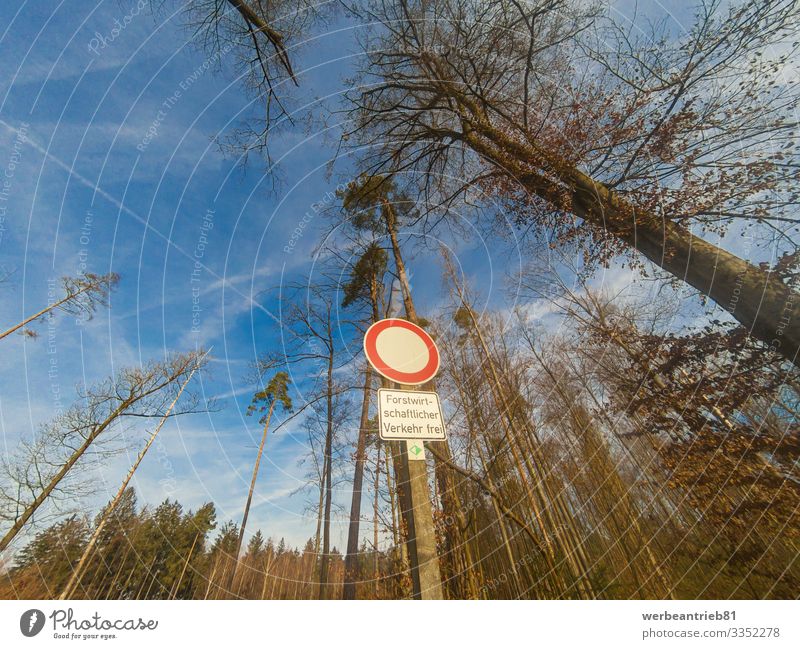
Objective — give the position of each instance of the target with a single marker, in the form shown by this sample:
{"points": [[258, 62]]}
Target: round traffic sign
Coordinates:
{"points": [[401, 351]]}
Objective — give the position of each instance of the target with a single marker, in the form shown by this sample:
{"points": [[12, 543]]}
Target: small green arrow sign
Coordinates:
{"points": [[416, 450]]}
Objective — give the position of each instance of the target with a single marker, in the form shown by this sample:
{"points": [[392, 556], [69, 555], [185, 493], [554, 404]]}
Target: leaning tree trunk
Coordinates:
{"points": [[558, 521], [390, 220], [758, 299], [59, 476], [239, 541], [47, 309], [77, 573]]}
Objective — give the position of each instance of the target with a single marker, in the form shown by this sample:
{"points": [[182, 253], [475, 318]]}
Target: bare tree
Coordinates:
{"points": [[77, 573], [37, 472], [261, 36], [311, 342], [623, 144], [82, 296]]}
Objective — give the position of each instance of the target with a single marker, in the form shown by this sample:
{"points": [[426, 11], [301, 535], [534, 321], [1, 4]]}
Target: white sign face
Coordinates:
{"points": [[401, 351], [403, 414]]}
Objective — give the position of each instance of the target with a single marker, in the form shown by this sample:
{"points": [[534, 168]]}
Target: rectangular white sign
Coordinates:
{"points": [[403, 414]]}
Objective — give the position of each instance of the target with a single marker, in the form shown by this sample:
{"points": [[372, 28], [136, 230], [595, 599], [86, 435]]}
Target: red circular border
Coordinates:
{"points": [[407, 378]]}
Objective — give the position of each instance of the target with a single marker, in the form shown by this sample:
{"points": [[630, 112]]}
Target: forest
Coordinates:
{"points": [[621, 400]]}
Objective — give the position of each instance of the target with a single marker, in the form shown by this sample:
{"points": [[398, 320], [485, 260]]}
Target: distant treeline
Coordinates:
{"points": [[161, 553]]}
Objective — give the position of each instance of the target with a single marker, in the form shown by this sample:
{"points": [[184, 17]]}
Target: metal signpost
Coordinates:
{"points": [[405, 354]]}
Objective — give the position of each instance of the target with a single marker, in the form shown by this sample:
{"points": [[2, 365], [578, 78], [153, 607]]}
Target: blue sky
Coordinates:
{"points": [[83, 197], [119, 170]]}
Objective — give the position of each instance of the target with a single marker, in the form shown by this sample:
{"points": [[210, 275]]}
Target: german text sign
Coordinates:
{"points": [[403, 414]]}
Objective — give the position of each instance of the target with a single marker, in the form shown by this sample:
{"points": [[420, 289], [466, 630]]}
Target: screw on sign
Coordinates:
{"points": [[401, 351]]}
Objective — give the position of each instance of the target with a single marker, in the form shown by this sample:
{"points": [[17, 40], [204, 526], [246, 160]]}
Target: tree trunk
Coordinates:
{"points": [[250, 495], [405, 288], [552, 509], [59, 476], [47, 309], [326, 528], [79, 570], [320, 511], [351, 560], [375, 508], [177, 587], [759, 300]]}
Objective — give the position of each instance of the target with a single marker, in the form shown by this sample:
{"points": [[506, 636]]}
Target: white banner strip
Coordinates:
{"points": [[389, 625]]}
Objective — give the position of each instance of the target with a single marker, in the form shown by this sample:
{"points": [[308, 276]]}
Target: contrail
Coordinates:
{"points": [[88, 183], [81, 179]]}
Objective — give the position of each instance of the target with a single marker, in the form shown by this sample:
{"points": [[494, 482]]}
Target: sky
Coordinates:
{"points": [[109, 142], [108, 146]]}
